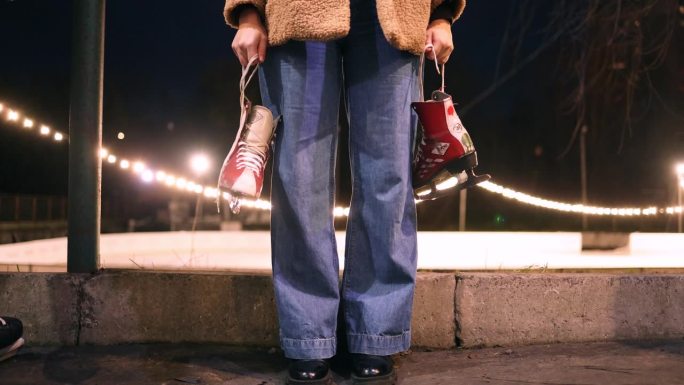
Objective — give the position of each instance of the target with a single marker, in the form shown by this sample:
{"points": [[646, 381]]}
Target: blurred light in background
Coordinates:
{"points": [[12, 115], [147, 176], [199, 163], [680, 169], [138, 167]]}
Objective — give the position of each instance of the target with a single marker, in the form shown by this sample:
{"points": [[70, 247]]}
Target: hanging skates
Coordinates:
{"points": [[242, 173], [445, 156]]}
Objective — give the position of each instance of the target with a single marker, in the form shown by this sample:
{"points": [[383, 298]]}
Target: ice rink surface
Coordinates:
{"points": [[250, 251]]}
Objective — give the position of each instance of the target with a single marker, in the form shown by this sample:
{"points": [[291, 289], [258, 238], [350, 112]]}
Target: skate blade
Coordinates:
{"points": [[234, 199], [461, 181]]}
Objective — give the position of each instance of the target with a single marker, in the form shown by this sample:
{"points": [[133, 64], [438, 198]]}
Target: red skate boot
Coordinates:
{"points": [[242, 173], [445, 156]]}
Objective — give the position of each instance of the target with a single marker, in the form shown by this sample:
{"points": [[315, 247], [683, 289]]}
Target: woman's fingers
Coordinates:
{"points": [[443, 53], [248, 43], [429, 46], [251, 39], [439, 36], [262, 48], [240, 55]]}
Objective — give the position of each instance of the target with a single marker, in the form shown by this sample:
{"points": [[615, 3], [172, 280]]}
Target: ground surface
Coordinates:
{"points": [[567, 364]]}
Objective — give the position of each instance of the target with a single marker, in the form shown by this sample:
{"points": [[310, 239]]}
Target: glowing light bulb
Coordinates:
{"points": [[28, 123], [147, 176], [199, 163], [59, 136], [12, 115], [111, 158], [680, 169], [44, 130], [138, 167], [124, 164]]}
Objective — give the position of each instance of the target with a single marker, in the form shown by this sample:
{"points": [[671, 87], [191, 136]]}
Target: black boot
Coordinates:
{"points": [[11, 330], [375, 370], [309, 372]]}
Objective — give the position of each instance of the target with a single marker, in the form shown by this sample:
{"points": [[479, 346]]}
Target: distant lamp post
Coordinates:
{"points": [[200, 164], [680, 186]]}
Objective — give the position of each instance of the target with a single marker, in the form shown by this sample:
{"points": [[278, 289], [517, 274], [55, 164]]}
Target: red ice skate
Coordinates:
{"points": [[445, 156], [242, 173]]}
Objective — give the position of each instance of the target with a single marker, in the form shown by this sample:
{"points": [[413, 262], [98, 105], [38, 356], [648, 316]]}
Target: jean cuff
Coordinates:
{"points": [[379, 345], [309, 349]]}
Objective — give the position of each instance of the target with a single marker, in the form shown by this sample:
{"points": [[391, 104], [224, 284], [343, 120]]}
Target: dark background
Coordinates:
{"points": [[171, 87]]}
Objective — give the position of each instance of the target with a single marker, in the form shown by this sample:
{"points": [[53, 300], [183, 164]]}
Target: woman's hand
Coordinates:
{"points": [[251, 38], [438, 36]]}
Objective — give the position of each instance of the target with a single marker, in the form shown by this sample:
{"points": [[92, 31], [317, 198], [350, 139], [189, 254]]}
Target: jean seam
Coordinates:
{"points": [[309, 339], [379, 335], [349, 244], [331, 198]]}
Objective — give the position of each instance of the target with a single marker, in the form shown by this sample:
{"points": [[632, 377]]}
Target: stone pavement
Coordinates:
{"points": [[614, 363]]}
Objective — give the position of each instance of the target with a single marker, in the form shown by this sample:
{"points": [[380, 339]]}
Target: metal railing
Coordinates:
{"points": [[30, 217]]}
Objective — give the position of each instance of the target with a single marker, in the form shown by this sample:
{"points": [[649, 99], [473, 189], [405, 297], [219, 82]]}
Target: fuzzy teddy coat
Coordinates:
{"points": [[403, 22]]}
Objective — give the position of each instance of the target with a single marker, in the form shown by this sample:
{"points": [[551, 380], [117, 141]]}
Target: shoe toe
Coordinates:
{"points": [[304, 370], [10, 331], [365, 366]]}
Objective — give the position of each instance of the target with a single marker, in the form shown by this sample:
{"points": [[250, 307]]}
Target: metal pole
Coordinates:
{"points": [[462, 206], [679, 203], [85, 136], [583, 171]]}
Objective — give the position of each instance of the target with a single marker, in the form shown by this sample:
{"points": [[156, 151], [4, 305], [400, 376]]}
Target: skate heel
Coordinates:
{"points": [[456, 176], [467, 164]]}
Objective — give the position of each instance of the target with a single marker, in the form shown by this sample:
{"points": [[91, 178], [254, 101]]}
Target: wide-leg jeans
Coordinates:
{"points": [[302, 82]]}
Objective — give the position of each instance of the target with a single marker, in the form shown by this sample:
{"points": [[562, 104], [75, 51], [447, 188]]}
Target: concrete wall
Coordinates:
{"points": [[514, 309], [478, 309]]}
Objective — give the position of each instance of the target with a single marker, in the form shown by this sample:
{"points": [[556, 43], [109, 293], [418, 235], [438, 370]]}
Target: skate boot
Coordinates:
{"points": [[11, 331], [242, 173], [445, 156]]}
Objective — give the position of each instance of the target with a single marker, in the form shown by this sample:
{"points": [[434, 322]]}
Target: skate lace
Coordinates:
{"points": [[2, 321], [251, 157]]}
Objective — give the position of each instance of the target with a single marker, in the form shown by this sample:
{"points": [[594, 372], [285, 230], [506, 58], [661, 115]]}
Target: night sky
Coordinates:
{"points": [[171, 87]]}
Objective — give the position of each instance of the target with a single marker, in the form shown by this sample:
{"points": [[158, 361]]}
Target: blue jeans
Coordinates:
{"points": [[302, 83]]}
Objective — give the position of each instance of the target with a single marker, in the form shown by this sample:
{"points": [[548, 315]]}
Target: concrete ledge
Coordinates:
{"points": [[478, 309], [433, 323], [515, 309], [48, 305], [161, 307], [141, 307]]}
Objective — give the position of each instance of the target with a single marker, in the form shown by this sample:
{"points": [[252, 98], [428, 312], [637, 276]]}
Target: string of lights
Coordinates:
{"points": [[26, 123], [157, 176]]}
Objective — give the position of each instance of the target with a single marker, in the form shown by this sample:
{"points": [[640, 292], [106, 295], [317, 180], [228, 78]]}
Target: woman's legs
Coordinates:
{"points": [[301, 83], [380, 263]]}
